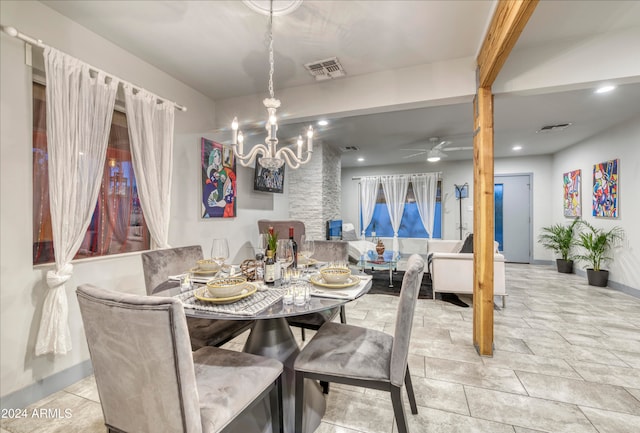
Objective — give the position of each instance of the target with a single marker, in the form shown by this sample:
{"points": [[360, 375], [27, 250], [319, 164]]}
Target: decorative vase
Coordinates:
{"points": [[564, 266], [598, 278], [380, 248]]}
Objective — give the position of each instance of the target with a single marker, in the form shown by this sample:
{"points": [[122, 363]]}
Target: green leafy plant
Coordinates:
{"points": [[597, 243], [272, 239], [559, 238]]}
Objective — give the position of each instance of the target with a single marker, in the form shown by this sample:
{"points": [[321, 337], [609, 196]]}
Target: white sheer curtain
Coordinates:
{"points": [[395, 194], [151, 137], [368, 193], [79, 112], [425, 188]]}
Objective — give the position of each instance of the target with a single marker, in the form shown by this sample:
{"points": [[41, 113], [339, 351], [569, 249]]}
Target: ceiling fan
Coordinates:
{"points": [[436, 151]]}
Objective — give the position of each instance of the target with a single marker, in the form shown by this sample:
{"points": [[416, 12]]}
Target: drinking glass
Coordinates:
{"points": [[220, 250], [261, 244], [284, 253], [306, 249]]}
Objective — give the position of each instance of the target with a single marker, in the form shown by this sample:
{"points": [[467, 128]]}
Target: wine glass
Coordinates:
{"points": [[284, 253], [261, 244], [220, 251], [306, 250]]}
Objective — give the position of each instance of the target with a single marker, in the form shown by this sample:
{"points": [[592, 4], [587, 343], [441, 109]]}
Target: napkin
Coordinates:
{"points": [[347, 293]]}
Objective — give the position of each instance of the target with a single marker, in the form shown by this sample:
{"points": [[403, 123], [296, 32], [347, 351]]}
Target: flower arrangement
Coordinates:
{"points": [[272, 239]]}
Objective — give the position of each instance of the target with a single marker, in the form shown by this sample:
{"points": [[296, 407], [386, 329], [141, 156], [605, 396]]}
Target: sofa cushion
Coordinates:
{"points": [[467, 247]]}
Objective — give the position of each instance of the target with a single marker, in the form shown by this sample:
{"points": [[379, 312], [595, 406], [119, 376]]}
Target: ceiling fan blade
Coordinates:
{"points": [[416, 154], [458, 148], [442, 144]]}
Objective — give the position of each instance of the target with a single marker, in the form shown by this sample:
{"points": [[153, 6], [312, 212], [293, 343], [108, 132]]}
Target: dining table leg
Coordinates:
{"points": [[273, 338]]}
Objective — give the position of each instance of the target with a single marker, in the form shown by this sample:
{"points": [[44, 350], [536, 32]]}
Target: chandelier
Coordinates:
{"points": [[272, 157]]}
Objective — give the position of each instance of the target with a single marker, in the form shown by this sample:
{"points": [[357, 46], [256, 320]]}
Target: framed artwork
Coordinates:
{"points": [[219, 191], [267, 179], [572, 183], [605, 189]]}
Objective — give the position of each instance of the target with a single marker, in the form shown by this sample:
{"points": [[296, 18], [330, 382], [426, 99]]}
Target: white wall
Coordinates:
{"points": [[623, 142], [457, 173], [22, 285]]}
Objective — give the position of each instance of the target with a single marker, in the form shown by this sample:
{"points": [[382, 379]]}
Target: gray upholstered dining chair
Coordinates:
{"points": [[157, 265], [325, 251], [364, 357], [148, 379]]}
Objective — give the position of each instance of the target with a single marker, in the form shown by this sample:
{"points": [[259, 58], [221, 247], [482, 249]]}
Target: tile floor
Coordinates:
{"points": [[566, 359]]}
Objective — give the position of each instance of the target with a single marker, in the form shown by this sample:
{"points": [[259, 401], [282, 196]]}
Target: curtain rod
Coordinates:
{"points": [[400, 174], [12, 31]]}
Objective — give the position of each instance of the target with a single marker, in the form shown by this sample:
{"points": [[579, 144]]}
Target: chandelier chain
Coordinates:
{"points": [[271, 62]]}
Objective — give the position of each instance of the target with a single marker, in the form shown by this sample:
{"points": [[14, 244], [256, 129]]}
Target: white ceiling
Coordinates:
{"points": [[220, 49]]}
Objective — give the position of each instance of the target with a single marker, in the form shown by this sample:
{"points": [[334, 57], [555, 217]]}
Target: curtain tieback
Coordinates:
{"points": [[58, 277]]}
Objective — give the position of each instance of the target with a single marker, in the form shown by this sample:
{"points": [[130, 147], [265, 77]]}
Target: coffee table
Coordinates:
{"points": [[380, 265]]}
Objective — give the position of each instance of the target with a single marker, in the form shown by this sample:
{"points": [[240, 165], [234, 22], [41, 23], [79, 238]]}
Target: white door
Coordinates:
{"points": [[513, 227]]}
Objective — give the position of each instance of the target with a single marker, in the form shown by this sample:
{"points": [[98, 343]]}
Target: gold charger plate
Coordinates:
{"points": [[201, 295], [198, 271], [319, 281]]}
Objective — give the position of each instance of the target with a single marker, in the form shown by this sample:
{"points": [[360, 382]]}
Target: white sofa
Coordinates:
{"points": [[452, 272]]}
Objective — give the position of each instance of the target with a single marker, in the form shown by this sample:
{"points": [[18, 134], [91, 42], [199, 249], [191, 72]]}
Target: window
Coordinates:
{"points": [[411, 225], [117, 225]]}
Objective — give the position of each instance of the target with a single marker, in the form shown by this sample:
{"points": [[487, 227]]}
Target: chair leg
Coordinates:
{"points": [[410, 393], [275, 400], [299, 400], [303, 335], [343, 314], [398, 409], [325, 387], [504, 302]]}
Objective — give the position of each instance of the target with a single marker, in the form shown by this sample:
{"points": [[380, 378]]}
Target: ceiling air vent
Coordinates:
{"points": [[325, 69], [554, 128], [350, 148]]}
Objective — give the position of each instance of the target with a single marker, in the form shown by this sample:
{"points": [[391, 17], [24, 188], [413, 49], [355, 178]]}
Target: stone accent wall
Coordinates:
{"points": [[315, 190]]}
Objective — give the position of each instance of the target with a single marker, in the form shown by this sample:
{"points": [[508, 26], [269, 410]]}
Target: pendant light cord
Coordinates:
{"points": [[271, 62]]}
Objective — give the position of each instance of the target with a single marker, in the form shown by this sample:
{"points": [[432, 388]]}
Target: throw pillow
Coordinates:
{"points": [[467, 247], [349, 235]]}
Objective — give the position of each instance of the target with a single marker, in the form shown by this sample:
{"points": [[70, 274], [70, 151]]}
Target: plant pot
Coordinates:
{"points": [[597, 278], [564, 266]]}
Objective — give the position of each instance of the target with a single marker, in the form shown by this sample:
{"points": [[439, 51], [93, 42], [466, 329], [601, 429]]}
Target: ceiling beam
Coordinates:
{"points": [[507, 23]]}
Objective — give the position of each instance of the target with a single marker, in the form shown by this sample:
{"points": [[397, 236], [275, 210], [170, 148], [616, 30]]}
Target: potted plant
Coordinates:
{"points": [[597, 243], [560, 239]]}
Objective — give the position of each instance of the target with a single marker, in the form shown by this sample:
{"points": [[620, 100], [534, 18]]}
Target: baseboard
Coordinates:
{"points": [[631, 291], [47, 386], [543, 262]]}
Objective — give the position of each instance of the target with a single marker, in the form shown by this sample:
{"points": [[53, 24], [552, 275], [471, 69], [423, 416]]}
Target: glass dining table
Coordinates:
{"points": [[271, 336]]}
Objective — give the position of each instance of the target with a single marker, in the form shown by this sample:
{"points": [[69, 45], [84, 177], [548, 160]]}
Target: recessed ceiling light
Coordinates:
{"points": [[517, 147], [360, 159], [605, 89], [323, 122]]}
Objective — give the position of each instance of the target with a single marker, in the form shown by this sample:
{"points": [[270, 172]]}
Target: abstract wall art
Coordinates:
{"points": [[605, 189], [572, 182], [218, 168]]}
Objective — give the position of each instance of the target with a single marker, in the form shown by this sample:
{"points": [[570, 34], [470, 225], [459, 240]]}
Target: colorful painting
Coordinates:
{"points": [[219, 191], [605, 189], [572, 182]]}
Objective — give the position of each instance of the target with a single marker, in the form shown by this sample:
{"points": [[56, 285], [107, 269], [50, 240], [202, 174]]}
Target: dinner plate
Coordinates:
{"points": [[319, 281], [198, 271], [201, 295], [307, 262]]}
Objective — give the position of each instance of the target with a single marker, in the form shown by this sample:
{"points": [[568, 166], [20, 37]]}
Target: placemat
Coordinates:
{"points": [[250, 306]]}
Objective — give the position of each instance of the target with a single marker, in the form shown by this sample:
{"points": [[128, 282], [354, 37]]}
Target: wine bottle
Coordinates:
{"points": [[269, 268], [294, 249]]}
